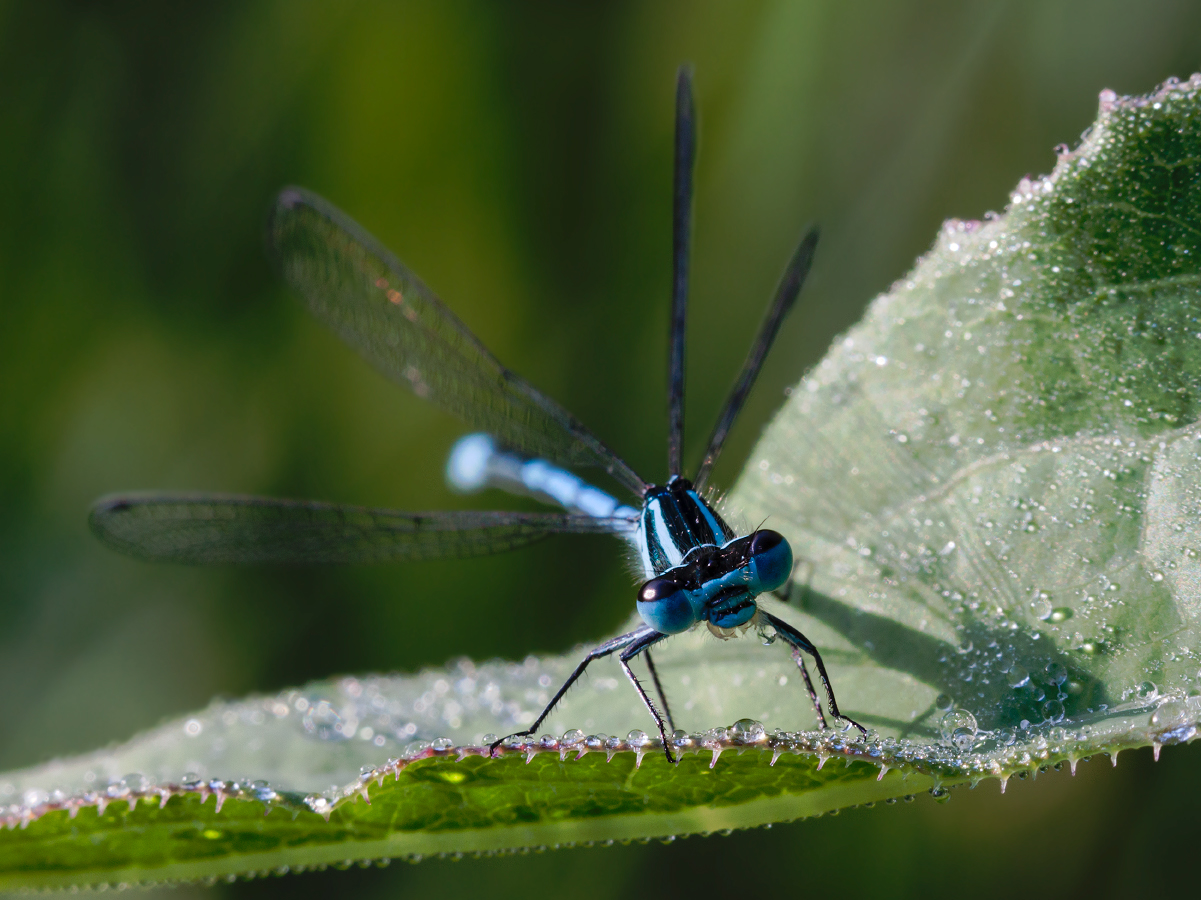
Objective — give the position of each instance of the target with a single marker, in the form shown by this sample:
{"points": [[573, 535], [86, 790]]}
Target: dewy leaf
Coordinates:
{"points": [[992, 486]]}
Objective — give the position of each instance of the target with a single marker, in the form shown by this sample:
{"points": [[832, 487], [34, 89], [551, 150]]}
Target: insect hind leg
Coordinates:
{"points": [[800, 644], [671, 725], [799, 659], [641, 646], [606, 649]]}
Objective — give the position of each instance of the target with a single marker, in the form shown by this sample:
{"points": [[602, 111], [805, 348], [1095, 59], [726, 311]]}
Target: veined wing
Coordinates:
{"points": [[384, 311], [216, 528]]}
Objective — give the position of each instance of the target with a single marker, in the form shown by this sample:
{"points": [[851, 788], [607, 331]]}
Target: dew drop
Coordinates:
{"points": [[1040, 606], [943, 703], [958, 728], [747, 731], [1060, 614], [1018, 676]]}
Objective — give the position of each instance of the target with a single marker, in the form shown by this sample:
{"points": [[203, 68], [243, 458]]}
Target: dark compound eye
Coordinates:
{"points": [[658, 589], [765, 540], [663, 604], [770, 558]]}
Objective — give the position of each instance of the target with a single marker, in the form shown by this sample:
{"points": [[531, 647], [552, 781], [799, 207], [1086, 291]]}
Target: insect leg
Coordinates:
{"points": [[802, 643], [659, 690], [640, 646], [606, 649], [800, 661]]}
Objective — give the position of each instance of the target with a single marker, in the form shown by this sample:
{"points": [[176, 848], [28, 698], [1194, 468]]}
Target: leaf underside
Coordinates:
{"points": [[991, 486]]}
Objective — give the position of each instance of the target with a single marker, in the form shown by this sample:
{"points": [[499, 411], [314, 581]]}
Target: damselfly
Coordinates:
{"points": [[697, 569]]}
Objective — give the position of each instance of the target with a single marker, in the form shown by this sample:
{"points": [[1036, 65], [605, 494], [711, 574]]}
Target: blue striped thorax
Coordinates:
{"points": [[697, 570], [676, 521]]}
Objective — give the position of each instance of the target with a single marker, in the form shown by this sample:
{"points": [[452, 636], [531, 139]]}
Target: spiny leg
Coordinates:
{"points": [[628, 654], [800, 661], [608, 648], [650, 664], [802, 643]]}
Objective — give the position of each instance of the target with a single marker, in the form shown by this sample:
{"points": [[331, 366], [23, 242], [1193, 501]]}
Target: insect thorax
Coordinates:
{"points": [[675, 521]]}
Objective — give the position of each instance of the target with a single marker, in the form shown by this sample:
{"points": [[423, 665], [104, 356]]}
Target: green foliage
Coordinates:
{"points": [[990, 483]]}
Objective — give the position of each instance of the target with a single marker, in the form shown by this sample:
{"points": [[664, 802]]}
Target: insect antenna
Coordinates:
{"points": [[681, 233], [786, 294]]}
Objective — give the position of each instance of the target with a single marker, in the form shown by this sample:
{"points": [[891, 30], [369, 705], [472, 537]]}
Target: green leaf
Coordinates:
{"points": [[991, 486]]}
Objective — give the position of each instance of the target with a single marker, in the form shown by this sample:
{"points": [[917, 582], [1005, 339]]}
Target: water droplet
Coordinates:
{"points": [[943, 702], [958, 728], [573, 737], [323, 721], [1040, 606], [1053, 710], [746, 731], [1056, 674], [637, 738], [1147, 691], [1169, 714], [1018, 676], [1060, 614]]}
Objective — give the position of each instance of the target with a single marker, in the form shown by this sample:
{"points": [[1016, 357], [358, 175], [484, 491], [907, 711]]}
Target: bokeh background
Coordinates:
{"points": [[517, 156]]}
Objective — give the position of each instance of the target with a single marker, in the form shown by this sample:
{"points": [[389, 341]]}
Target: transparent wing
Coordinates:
{"points": [[215, 528], [380, 308]]}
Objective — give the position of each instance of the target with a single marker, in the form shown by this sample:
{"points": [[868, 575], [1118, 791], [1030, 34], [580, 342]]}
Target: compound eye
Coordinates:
{"points": [[770, 558], [663, 605], [657, 590]]}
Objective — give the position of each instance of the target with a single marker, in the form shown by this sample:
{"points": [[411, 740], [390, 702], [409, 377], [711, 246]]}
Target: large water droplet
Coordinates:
{"points": [[1056, 674], [637, 738], [747, 731], [322, 721], [943, 702], [1040, 606], [1018, 676], [1169, 714], [958, 728]]}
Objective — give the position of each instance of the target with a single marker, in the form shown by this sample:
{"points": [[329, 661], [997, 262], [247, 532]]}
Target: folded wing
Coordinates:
{"points": [[213, 528], [360, 290]]}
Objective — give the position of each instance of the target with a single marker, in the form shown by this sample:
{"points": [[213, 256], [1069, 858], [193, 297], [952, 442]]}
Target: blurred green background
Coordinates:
{"points": [[518, 158]]}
